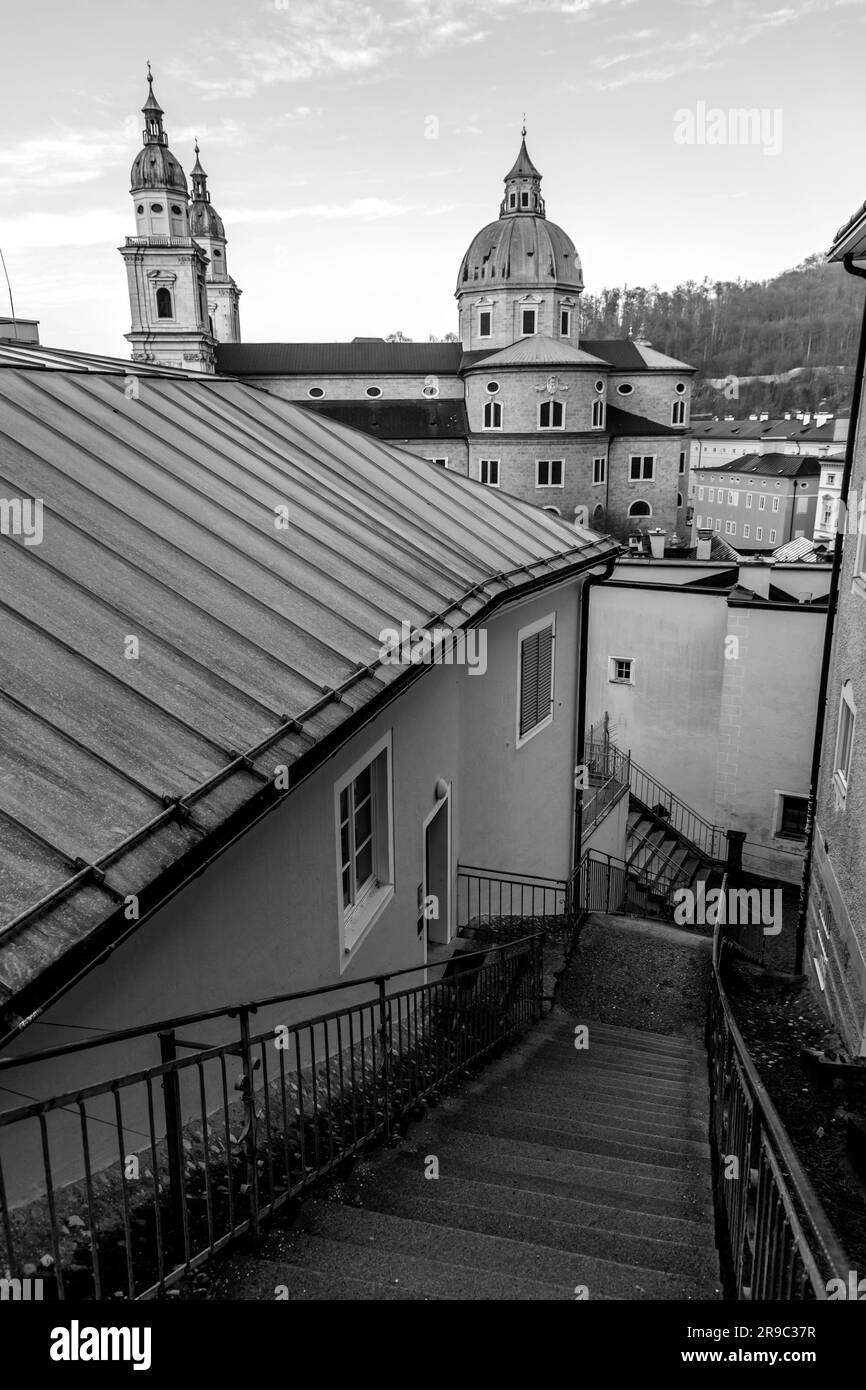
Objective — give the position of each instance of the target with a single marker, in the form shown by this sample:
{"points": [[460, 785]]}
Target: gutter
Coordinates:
{"points": [[832, 605], [580, 729], [24, 1008]]}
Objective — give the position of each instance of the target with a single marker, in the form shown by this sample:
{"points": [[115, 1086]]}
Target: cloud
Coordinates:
{"points": [[91, 227], [367, 209]]}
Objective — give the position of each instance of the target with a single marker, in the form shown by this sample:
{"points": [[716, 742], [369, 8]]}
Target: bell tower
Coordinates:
{"points": [[166, 269], [206, 227]]}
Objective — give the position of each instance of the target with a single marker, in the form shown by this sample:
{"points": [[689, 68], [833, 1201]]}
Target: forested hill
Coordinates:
{"points": [[805, 321]]}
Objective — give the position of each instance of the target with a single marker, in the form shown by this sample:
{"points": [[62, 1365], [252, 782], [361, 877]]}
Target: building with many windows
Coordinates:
{"points": [[758, 502], [594, 431]]}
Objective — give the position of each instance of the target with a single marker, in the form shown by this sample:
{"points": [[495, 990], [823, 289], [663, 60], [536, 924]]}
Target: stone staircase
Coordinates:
{"points": [[660, 860], [562, 1173]]}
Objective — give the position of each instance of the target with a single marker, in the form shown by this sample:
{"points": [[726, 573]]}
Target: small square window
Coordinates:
{"points": [[621, 670], [792, 815]]}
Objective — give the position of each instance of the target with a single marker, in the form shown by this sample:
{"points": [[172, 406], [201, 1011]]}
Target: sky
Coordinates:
{"points": [[353, 149]]}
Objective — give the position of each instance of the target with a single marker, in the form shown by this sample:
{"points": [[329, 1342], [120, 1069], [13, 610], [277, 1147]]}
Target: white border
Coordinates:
{"points": [[529, 631], [377, 896]]}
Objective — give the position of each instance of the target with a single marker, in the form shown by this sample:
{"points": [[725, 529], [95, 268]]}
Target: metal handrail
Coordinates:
{"points": [[781, 1242], [310, 1095]]}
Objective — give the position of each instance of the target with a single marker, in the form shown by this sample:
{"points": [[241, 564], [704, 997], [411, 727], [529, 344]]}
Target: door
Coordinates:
{"points": [[437, 872]]}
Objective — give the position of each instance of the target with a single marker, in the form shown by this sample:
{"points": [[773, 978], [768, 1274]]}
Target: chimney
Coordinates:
{"points": [[657, 543], [704, 545], [756, 576]]}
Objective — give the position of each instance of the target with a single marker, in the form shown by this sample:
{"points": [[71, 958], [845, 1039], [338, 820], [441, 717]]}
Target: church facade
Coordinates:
{"points": [[595, 431]]}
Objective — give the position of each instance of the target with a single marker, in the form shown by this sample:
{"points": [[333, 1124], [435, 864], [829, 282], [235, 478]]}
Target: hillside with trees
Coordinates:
{"points": [[801, 326]]}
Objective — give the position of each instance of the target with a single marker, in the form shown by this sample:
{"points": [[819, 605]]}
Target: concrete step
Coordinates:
{"points": [[599, 1105], [540, 1220], [608, 1146], [619, 1074], [457, 1248], [540, 1170], [251, 1277], [537, 1195], [594, 1125], [654, 1042], [600, 1051]]}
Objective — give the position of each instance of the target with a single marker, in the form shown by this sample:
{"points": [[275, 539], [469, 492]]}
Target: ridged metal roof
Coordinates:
{"points": [[364, 357], [22, 354], [419, 419], [520, 250], [255, 644], [539, 350]]}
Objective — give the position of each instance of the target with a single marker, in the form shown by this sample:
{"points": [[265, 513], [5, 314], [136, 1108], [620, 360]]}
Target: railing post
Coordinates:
{"points": [[173, 1127], [247, 1087], [386, 1054], [537, 979]]}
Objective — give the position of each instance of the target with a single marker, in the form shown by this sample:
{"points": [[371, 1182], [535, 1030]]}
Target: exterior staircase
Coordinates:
{"points": [[562, 1173], [660, 860]]}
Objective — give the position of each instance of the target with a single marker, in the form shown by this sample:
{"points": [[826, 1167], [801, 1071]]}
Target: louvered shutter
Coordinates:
{"points": [[536, 679]]}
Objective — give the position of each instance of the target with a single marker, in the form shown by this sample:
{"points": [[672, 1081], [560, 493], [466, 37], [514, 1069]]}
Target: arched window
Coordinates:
{"points": [[640, 509], [598, 415], [679, 499], [164, 308], [678, 413], [551, 415], [492, 415], [555, 510], [598, 515]]}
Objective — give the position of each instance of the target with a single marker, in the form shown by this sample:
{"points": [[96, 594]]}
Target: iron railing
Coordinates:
{"points": [[780, 1242], [496, 897], [711, 840], [126, 1184], [609, 776]]}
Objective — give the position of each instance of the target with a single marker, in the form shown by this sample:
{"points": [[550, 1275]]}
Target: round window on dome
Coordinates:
{"points": [[140, 209], [177, 212], [217, 253], [492, 387], [374, 391], [156, 207], [625, 389], [679, 388], [316, 392], [599, 385]]}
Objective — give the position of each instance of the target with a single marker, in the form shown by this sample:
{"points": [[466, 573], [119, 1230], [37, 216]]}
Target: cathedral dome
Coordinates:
{"points": [[156, 167], [204, 220], [521, 251]]}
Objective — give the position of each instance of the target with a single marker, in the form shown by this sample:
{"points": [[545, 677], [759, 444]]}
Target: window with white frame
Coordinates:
{"points": [[548, 473], [565, 323], [860, 555], [598, 409], [528, 320], [485, 323], [730, 528], [492, 415], [772, 538], [711, 494], [488, 472], [365, 853], [747, 531], [641, 466], [599, 469], [700, 494], [699, 521], [775, 504], [551, 415], [759, 533], [733, 499], [535, 677], [678, 413], [831, 479], [762, 502], [443, 463], [718, 523], [621, 670], [844, 741], [748, 500]]}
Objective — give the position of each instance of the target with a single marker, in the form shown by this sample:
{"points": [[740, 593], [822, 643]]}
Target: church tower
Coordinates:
{"points": [[206, 227], [166, 269], [521, 275]]}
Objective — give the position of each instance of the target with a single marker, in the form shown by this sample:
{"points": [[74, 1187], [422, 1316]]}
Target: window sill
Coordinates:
{"points": [[524, 738], [858, 585], [841, 789], [360, 919]]}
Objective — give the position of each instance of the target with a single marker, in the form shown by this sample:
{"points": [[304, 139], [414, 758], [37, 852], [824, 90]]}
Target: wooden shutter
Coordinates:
{"points": [[536, 679]]}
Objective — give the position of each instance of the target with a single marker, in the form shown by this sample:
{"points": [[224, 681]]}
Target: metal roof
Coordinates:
{"points": [[762, 429], [24, 354], [418, 419], [255, 644], [536, 349], [630, 355], [364, 357], [624, 424], [774, 465]]}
